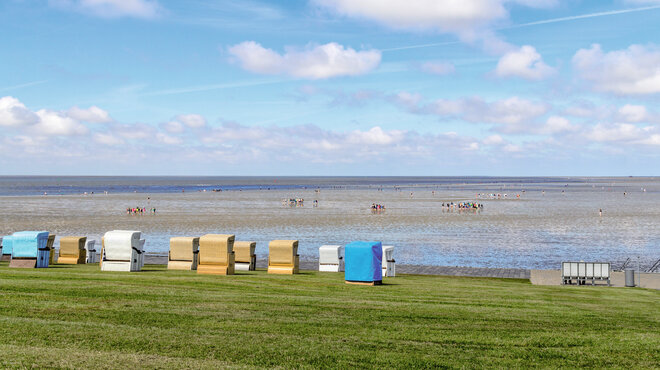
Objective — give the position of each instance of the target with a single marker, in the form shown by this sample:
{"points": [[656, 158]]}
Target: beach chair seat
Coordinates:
{"points": [[330, 258], [388, 261], [283, 257], [216, 254], [364, 263], [245, 258], [30, 249], [90, 251], [122, 251], [72, 250], [183, 253]]}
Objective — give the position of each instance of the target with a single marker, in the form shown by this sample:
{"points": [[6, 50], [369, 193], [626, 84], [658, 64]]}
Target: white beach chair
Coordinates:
{"points": [[141, 254], [90, 247], [122, 251], [330, 258], [388, 261]]}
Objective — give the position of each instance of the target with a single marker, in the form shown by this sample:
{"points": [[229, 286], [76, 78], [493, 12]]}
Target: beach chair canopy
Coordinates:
{"points": [[363, 261], [282, 252], [26, 244], [244, 251], [119, 244], [215, 248], [330, 254], [72, 245], [183, 248]]}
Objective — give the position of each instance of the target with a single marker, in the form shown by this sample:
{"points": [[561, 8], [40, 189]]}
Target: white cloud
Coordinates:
{"points": [[462, 17], [512, 110], [525, 62], [494, 140], [112, 8], [438, 68], [107, 139], [168, 139], [635, 70], [622, 133], [633, 113], [92, 114], [312, 62], [470, 20], [191, 120], [556, 125], [13, 113], [173, 127], [57, 123]]}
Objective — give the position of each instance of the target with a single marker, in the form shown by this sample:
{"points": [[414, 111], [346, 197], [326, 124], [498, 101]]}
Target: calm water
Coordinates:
{"points": [[553, 220]]}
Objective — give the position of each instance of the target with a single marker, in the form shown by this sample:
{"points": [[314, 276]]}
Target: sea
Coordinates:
{"points": [[521, 222]]}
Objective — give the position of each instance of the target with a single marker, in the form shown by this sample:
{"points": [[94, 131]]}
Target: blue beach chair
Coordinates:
{"points": [[30, 249], [363, 263]]}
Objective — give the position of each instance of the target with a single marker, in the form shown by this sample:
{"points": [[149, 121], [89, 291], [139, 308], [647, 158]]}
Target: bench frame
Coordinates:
{"points": [[581, 272]]}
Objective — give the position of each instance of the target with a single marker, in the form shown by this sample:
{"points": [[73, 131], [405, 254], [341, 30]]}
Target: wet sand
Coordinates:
{"points": [[550, 223]]}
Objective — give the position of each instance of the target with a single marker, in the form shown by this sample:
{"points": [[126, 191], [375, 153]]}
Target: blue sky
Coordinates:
{"points": [[330, 87]]}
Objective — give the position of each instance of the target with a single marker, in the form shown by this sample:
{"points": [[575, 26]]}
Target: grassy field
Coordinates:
{"points": [[77, 316]]}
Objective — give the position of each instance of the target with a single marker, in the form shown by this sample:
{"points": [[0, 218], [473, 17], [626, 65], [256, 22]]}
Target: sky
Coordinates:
{"points": [[330, 87]]}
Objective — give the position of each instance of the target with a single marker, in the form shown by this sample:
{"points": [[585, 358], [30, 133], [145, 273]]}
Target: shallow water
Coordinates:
{"points": [[554, 220]]}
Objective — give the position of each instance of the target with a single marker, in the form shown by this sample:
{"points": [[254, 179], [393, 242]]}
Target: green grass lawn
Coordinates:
{"points": [[78, 316]]}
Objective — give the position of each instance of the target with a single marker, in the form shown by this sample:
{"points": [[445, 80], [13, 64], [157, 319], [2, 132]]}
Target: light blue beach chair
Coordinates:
{"points": [[30, 249]]}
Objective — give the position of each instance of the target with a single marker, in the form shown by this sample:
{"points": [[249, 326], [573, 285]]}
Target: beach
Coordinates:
{"points": [[535, 224]]}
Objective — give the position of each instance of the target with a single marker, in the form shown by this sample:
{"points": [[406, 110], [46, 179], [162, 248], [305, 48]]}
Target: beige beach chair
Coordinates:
{"points": [[283, 257], [49, 245], [72, 250], [246, 260], [216, 254], [183, 253]]}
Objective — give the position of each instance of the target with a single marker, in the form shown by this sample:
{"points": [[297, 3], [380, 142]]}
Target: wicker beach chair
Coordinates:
{"points": [[388, 261], [183, 253], [90, 251], [72, 250], [246, 259], [30, 249], [216, 254], [122, 251], [364, 263], [330, 258], [283, 257]]}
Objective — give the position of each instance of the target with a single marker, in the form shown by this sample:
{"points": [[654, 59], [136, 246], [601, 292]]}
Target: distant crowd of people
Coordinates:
{"points": [[463, 205], [140, 211], [377, 207]]}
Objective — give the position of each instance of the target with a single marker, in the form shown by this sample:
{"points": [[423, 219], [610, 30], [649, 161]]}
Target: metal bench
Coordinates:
{"points": [[582, 272]]}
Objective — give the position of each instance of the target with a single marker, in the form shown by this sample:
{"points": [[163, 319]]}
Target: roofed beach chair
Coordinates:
{"points": [[364, 263], [216, 254], [388, 261], [122, 251], [30, 249], [283, 257], [51, 248], [90, 251], [183, 253], [72, 250], [7, 244], [246, 259], [330, 258]]}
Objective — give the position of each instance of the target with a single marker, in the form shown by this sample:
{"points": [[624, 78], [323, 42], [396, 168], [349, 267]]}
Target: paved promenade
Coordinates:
{"points": [[403, 269]]}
